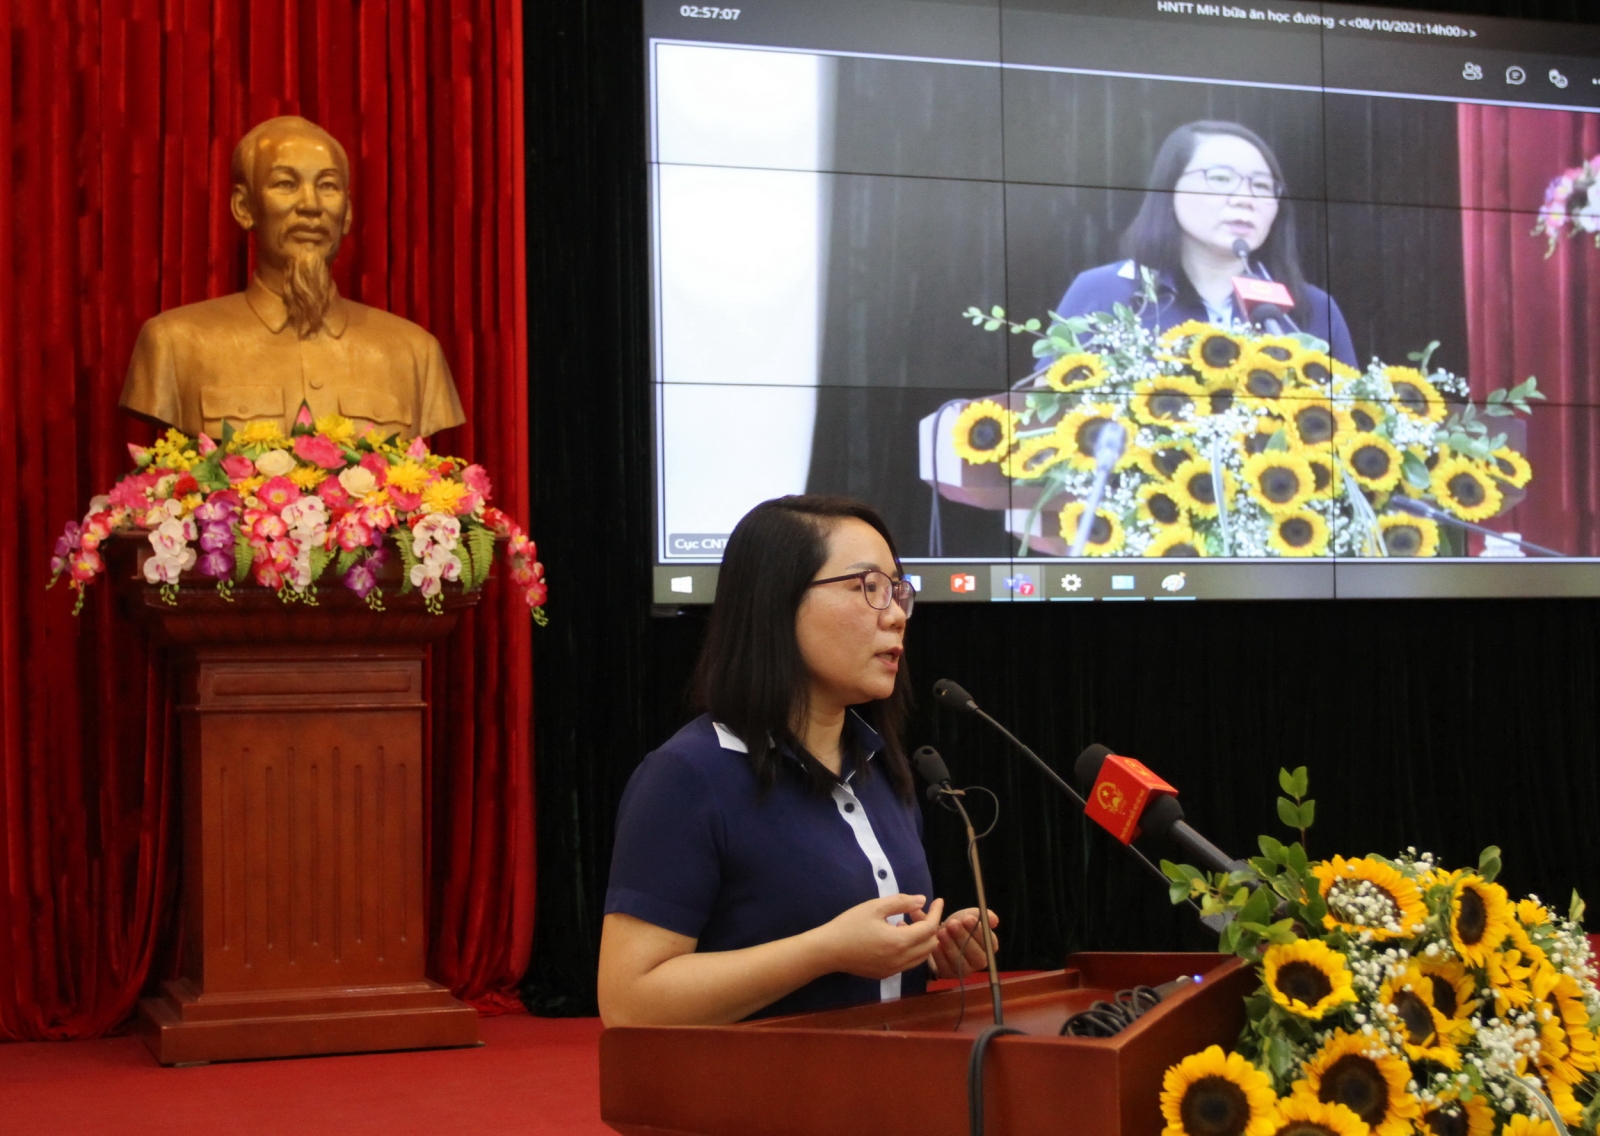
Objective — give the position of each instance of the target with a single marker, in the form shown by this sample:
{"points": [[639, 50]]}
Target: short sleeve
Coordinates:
{"points": [[665, 865]]}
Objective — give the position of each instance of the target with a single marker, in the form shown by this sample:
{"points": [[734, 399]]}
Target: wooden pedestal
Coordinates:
{"points": [[303, 832]]}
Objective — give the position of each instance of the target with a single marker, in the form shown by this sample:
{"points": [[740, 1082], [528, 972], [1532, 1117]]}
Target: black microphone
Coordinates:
{"points": [[932, 769], [1241, 249], [1162, 817], [953, 696], [1423, 509]]}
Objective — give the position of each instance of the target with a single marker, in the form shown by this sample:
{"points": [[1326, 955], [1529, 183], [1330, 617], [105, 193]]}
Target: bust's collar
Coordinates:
{"points": [[268, 307]]}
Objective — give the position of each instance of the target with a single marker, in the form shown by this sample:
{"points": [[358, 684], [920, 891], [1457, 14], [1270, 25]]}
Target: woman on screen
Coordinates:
{"points": [[769, 857], [1214, 210]]}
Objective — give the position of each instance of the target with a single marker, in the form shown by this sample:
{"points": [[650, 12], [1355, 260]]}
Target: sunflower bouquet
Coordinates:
{"points": [[1239, 444], [282, 510], [1397, 997]]}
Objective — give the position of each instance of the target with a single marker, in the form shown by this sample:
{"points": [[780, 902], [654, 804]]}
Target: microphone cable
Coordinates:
{"points": [[1107, 1019], [980, 1048]]}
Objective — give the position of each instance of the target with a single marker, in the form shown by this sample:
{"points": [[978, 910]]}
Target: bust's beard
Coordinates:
{"points": [[307, 291]]}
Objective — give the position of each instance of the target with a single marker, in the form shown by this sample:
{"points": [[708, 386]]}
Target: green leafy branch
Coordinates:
{"points": [[1298, 813]]}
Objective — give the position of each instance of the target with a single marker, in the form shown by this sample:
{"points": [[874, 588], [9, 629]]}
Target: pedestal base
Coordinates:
{"points": [[183, 1027]]}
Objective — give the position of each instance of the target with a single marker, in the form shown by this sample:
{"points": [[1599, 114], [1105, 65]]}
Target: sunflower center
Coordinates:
{"points": [[1296, 532], [985, 434], [1402, 540], [1099, 530], [1219, 351], [1355, 1082], [1042, 458], [1163, 508], [1222, 400], [1370, 462], [1089, 433], [1473, 919], [1364, 421], [1415, 1016], [1315, 424], [1466, 489], [1303, 982], [1442, 1123], [1169, 404], [1274, 351], [1316, 372], [1077, 374], [1263, 384], [1184, 549], [1444, 996], [1410, 396], [1505, 467], [1279, 485], [1168, 461], [1214, 1106], [1201, 489], [1321, 476]]}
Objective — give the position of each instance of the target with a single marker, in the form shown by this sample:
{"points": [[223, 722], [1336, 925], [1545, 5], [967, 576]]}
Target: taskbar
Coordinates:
{"points": [[1110, 580]]}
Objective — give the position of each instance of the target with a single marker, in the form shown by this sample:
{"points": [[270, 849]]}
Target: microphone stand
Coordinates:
{"points": [[954, 797], [1423, 509]]}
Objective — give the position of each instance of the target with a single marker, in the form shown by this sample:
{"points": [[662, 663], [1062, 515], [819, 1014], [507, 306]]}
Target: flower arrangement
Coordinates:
{"points": [[1397, 996], [1571, 206], [1240, 444], [282, 510]]}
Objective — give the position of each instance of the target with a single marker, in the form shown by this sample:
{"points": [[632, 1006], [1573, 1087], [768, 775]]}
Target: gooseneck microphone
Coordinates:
{"points": [[1423, 509], [933, 770], [1161, 816]]}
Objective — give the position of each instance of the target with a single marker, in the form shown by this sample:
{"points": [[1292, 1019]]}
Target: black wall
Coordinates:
{"points": [[1448, 725]]}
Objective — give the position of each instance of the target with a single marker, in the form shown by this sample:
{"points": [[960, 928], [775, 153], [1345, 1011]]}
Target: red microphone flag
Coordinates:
{"points": [[1120, 794], [1252, 292]]}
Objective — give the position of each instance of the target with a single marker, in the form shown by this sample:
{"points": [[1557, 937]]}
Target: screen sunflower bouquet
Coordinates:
{"points": [[1397, 996], [282, 510], [1239, 444]]}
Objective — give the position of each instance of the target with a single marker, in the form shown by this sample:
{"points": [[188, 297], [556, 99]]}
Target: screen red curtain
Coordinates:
{"points": [[117, 123], [1532, 315]]}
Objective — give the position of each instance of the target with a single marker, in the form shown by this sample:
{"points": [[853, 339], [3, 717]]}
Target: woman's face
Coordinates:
{"points": [[851, 650], [1213, 218]]}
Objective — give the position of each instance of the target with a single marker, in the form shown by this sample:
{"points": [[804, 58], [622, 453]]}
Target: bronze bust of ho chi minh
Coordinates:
{"points": [[289, 337]]}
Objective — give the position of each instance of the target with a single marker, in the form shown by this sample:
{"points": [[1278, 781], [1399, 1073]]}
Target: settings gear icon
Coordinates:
{"points": [[1071, 582]]}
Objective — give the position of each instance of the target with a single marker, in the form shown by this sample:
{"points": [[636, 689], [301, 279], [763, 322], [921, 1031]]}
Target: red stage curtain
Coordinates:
{"points": [[1528, 315], [117, 119]]}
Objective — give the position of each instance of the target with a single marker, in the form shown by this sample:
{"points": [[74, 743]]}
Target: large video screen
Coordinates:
{"points": [[1132, 299]]}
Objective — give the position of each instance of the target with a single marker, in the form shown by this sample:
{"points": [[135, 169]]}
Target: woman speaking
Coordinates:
{"points": [[768, 857], [1214, 210]]}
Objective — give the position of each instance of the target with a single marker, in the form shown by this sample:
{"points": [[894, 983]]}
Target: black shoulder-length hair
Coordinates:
{"points": [[750, 676], [1155, 240]]}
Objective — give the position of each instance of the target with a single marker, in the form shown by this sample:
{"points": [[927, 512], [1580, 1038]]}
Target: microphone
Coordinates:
{"points": [[933, 770], [1155, 813], [1263, 302], [1423, 509], [1107, 449]]}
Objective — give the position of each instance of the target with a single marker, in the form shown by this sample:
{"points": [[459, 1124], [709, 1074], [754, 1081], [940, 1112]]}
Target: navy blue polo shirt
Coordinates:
{"points": [[701, 851]]}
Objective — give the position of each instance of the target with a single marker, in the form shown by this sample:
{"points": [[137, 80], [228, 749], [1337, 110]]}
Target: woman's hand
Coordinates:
{"points": [[861, 941], [958, 949]]}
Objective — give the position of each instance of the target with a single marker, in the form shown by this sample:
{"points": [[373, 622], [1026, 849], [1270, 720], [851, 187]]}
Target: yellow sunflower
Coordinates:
{"points": [[1510, 467], [1168, 401], [1405, 535], [1211, 1093], [1365, 416], [1369, 895], [1174, 335], [1321, 459], [1106, 536], [1262, 374], [1520, 1125], [1407, 999], [1509, 974], [1465, 489], [1281, 481], [1304, 1115], [1315, 422], [1217, 356], [1158, 504], [1075, 372], [1033, 457], [1414, 395], [1372, 461], [1480, 918], [1163, 458], [1343, 374], [1313, 368], [1300, 533], [1307, 978], [1567, 1047], [985, 431], [1177, 540], [1532, 913], [1079, 431], [1368, 1079], [1195, 489], [1452, 1116]]}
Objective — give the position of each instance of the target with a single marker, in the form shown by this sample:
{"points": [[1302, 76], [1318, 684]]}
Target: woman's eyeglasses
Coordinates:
{"points": [[1227, 180], [878, 588]]}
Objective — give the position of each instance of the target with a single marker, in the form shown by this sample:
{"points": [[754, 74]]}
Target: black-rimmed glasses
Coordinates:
{"points": [[878, 588], [1226, 180]]}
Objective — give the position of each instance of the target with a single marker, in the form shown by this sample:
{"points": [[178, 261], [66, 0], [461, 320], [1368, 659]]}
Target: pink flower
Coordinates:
{"points": [[137, 453], [238, 467], [85, 565], [303, 418], [133, 491], [406, 502], [417, 449], [351, 533], [66, 545], [205, 444], [267, 575], [319, 451], [96, 528], [278, 492], [216, 564], [378, 466], [333, 494], [264, 527], [476, 478]]}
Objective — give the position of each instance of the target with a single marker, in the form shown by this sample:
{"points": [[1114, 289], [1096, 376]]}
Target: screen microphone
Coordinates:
{"points": [[1127, 800], [1264, 302]]}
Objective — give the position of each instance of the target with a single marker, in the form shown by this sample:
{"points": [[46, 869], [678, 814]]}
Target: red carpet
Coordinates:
{"points": [[533, 1076]]}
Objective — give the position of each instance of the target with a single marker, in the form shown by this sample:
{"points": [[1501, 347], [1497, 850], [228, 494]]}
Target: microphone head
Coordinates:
{"points": [[1263, 312], [951, 695], [1087, 768], [931, 766], [1241, 248], [1160, 815]]}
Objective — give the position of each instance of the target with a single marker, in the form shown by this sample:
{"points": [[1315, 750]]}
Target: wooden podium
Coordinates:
{"points": [[900, 1068], [303, 825]]}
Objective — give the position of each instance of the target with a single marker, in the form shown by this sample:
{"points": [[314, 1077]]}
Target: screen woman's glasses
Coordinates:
{"points": [[1227, 180], [878, 588]]}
